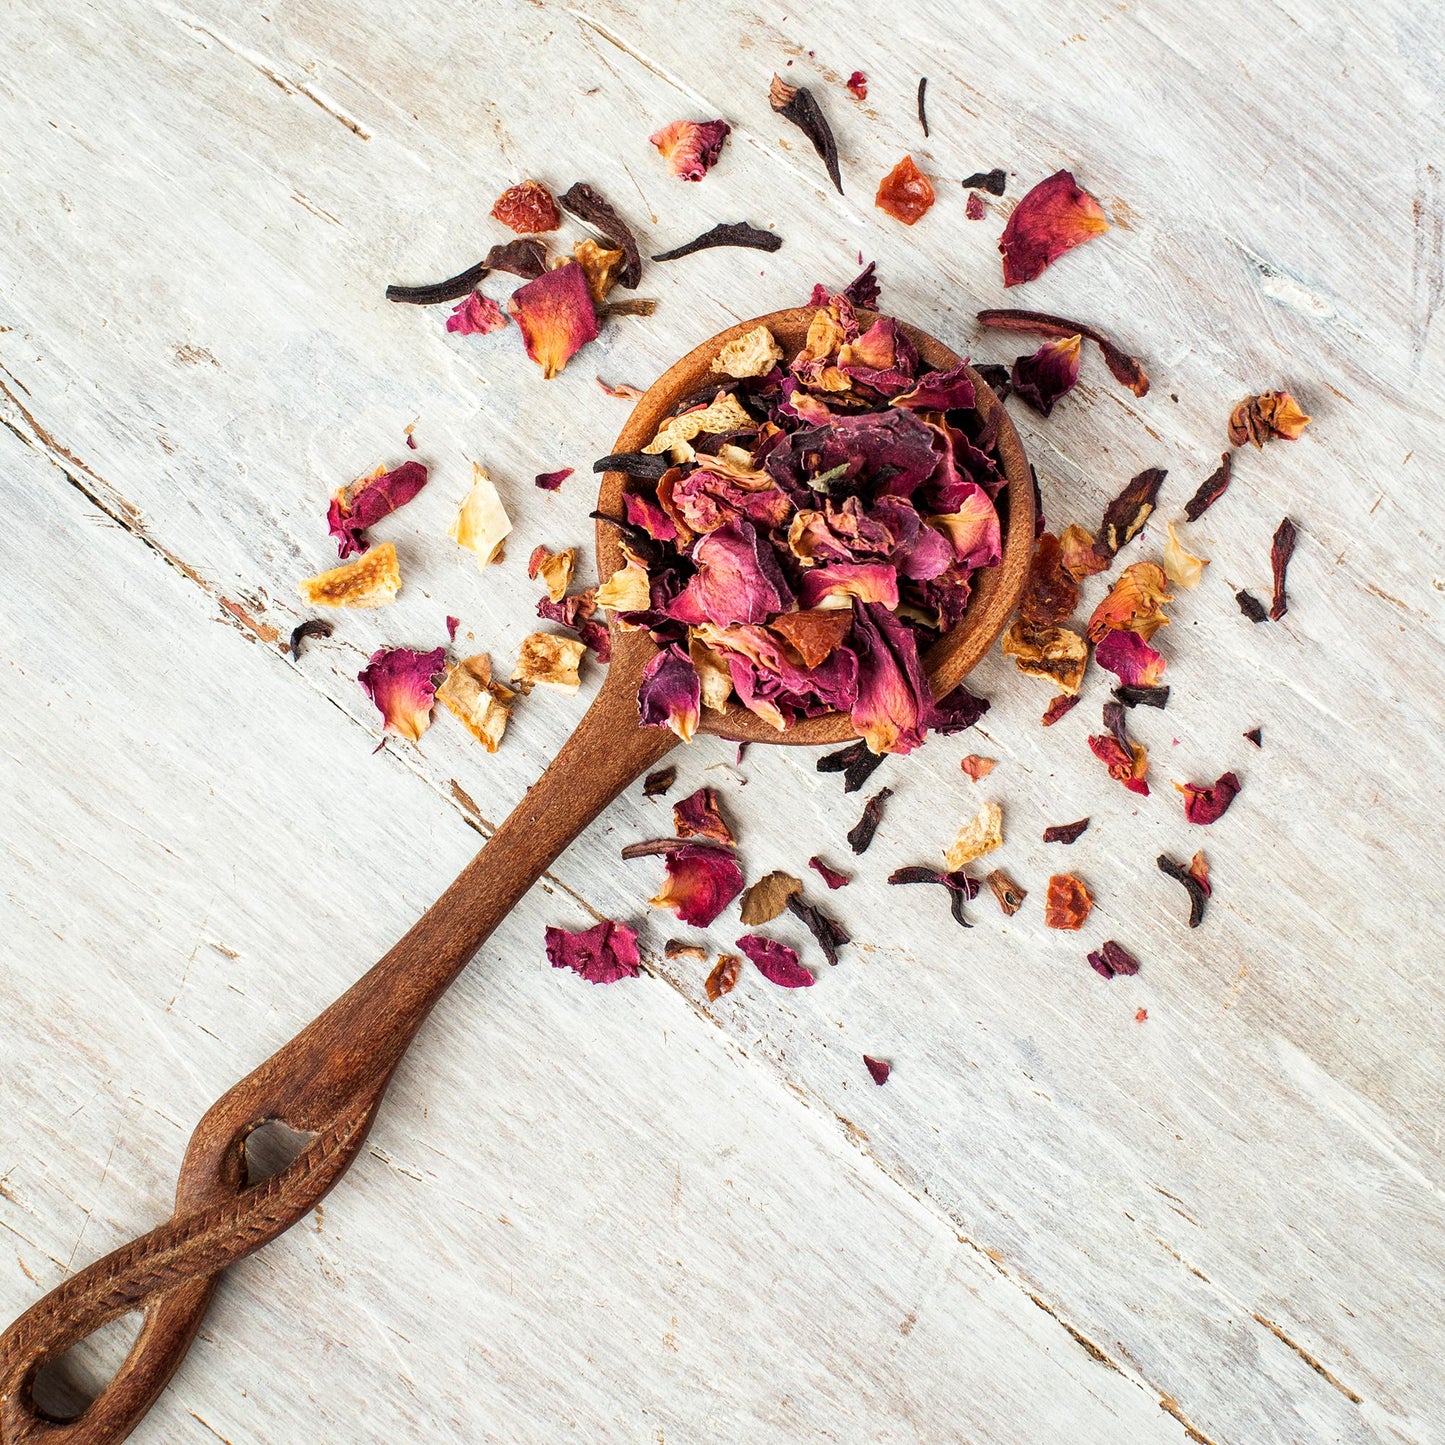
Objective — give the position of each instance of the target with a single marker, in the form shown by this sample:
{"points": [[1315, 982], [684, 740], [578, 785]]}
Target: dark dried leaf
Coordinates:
{"points": [[724, 976], [649, 467], [1065, 832], [1197, 892], [1114, 721], [879, 1069], [1010, 896], [828, 931], [1211, 489], [767, 898], [655, 784], [1142, 696], [998, 379], [923, 121], [860, 835], [1126, 370], [725, 233], [961, 888], [992, 181], [862, 290], [1127, 513], [587, 205], [312, 627], [1280, 551], [1251, 606], [796, 103], [1058, 707], [675, 948], [855, 762], [1256, 736], [652, 846], [1113, 959]]}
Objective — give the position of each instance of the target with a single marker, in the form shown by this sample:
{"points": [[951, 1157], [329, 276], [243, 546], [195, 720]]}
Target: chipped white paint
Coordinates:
{"points": [[620, 1214]]}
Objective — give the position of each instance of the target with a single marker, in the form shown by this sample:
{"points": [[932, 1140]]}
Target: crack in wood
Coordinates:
{"points": [[1309, 1359]]}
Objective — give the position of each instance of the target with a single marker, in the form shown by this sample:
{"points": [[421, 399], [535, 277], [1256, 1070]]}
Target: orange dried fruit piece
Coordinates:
{"points": [[1135, 601], [480, 704], [905, 193], [372, 580], [527, 208], [600, 265], [1068, 903]]}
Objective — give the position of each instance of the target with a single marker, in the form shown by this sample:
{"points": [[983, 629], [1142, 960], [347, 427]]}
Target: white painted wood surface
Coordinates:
{"points": [[620, 1214]]}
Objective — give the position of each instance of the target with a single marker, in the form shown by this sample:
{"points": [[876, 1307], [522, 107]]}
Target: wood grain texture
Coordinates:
{"points": [[1236, 1204]]}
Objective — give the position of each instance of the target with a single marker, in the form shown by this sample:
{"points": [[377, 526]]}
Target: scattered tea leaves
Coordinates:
{"points": [[860, 835], [604, 953], [992, 181], [550, 481], [1142, 696], [725, 233], [1251, 606], [654, 785], [454, 288], [879, 1069], [1128, 512], [634, 464], [855, 762], [1052, 218], [1126, 370], [796, 103], [1009, 894], [1059, 706], [1211, 489], [1066, 832], [831, 876], [1196, 890], [1280, 551], [775, 961], [1209, 802], [589, 206], [698, 816], [961, 888], [923, 122], [767, 898]]}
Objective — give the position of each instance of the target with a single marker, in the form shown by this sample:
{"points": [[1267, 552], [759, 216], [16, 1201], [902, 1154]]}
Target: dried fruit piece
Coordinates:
{"points": [[1130, 659], [905, 193], [1207, 803], [671, 694], [1280, 551], [981, 834], [371, 580], [796, 103], [1068, 903], [523, 257], [482, 523], [1199, 871], [815, 633], [676, 948], [723, 979], [855, 762], [701, 882], [698, 816], [1128, 512], [725, 233], [555, 315], [1198, 893], [1112, 959], [1124, 367], [775, 961], [857, 83], [1251, 606], [1211, 489], [976, 767], [550, 481], [400, 682], [626, 590], [828, 932], [550, 660], [878, 1069], [312, 627], [1134, 602], [589, 206], [1041, 379], [364, 502], [476, 315], [723, 413], [1066, 832], [1057, 653], [691, 147], [480, 704], [768, 897], [754, 353], [1262, 418], [1127, 762], [623, 391], [1008, 893], [860, 835], [1076, 546], [554, 568], [831, 876], [1179, 566], [1054, 217], [1058, 706], [1050, 593], [601, 265], [961, 888], [527, 208], [604, 953], [658, 782]]}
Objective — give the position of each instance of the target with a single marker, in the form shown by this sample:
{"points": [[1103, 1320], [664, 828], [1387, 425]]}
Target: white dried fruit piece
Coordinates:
{"points": [[1057, 653], [555, 569], [479, 703], [755, 353], [715, 678], [723, 413], [627, 589], [482, 523], [551, 660], [371, 580], [981, 834], [1179, 565]]}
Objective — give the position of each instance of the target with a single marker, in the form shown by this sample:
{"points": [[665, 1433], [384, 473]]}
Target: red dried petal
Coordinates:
{"points": [[975, 208], [1068, 903], [1199, 870], [701, 882], [691, 147], [878, 1069], [775, 961], [550, 481], [905, 193], [603, 953], [365, 502], [1207, 803], [527, 208], [671, 693], [1054, 217], [1130, 659], [831, 876], [1058, 707], [1126, 764], [556, 316], [476, 315], [1041, 379], [1112, 959], [698, 816], [1050, 594]]}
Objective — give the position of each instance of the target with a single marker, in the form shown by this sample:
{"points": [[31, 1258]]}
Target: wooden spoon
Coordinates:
{"points": [[329, 1081]]}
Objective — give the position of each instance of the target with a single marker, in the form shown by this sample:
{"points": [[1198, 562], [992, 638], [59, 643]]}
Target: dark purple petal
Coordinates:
{"points": [[775, 961]]}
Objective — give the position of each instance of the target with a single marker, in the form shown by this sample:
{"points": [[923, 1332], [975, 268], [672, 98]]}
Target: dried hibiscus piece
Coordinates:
{"points": [[671, 693], [527, 208], [433, 293], [400, 682], [860, 835], [1058, 707], [1180, 566], [992, 181], [981, 834], [312, 627], [364, 502], [975, 767], [857, 84], [1130, 659], [371, 580], [1198, 893], [482, 523], [691, 147], [961, 888], [587, 205], [1207, 803], [723, 979], [1066, 832], [905, 193], [725, 233], [1008, 893], [1255, 735], [862, 290], [796, 103], [1132, 695], [1041, 379], [1211, 489], [1050, 594], [1280, 551], [1068, 903], [550, 481], [855, 762], [1128, 512], [767, 898], [550, 660], [775, 961], [1127, 762], [1113, 959], [657, 783], [828, 932], [698, 816], [1251, 606], [1124, 367], [1054, 217], [1134, 602], [1076, 545], [878, 1069], [701, 882], [831, 876], [1057, 653], [604, 953], [476, 315], [1261, 418], [555, 315], [974, 208], [480, 704]]}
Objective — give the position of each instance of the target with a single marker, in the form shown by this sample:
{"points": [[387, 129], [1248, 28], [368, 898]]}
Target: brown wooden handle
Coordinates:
{"points": [[329, 1081]]}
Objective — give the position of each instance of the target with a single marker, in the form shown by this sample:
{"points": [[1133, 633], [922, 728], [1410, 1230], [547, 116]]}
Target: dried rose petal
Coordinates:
{"points": [[1041, 379], [768, 897], [1008, 893], [1058, 707], [1124, 367], [981, 834], [1261, 418], [480, 704], [857, 83], [1128, 512], [482, 523], [976, 767], [1211, 489], [1207, 803], [1199, 871], [1112, 959], [815, 632], [670, 695], [1180, 566], [878, 1069], [575, 612], [623, 391], [1066, 832], [1126, 762], [833, 585], [775, 961], [973, 529], [601, 265], [831, 876], [604, 953], [550, 481], [1135, 602], [738, 577], [1198, 892], [691, 147], [1052, 218], [363, 503], [975, 208], [860, 835], [400, 682], [527, 208], [1057, 653], [1068, 903], [905, 193], [1280, 551], [1076, 545], [1050, 593], [556, 316], [698, 816], [701, 882], [476, 315], [1130, 659], [892, 690], [371, 580], [723, 979]]}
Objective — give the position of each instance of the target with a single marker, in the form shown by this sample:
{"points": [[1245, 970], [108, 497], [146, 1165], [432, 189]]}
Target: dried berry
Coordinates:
{"points": [[527, 208], [1052, 218], [796, 103], [1124, 367], [1280, 551], [1198, 894], [1066, 832], [860, 835], [829, 933], [1112, 959], [1068, 903], [905, 193], [1050, 593], [1251, 606], [1211, 489]]}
